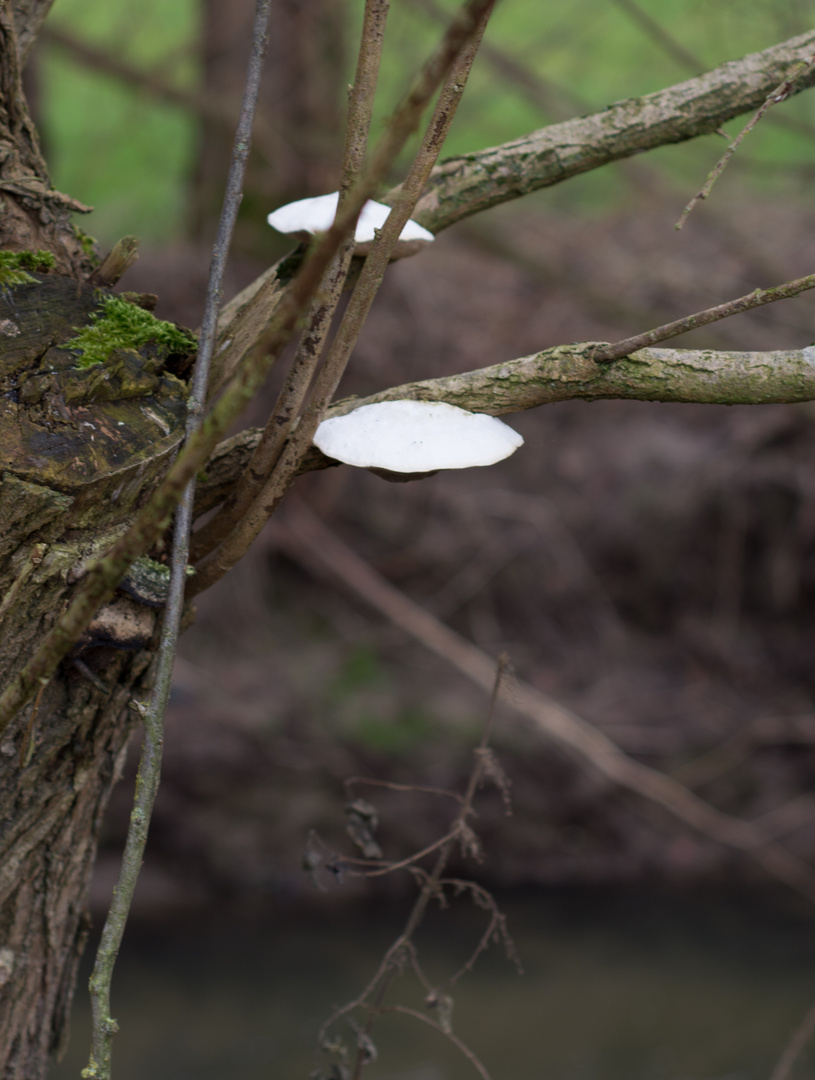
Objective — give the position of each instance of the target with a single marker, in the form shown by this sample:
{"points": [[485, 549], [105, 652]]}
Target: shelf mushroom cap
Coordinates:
{"points": [[415, 437], [317, 215]]}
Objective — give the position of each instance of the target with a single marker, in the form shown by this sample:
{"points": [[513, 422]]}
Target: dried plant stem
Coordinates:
{"points": [[757, 298], [310, 348], [352, 781], [405, 1010], [307, 540], [103, 1025], [779, 94], [430, 887], [268, 497]]}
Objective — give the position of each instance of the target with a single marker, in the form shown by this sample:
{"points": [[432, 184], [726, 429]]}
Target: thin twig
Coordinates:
{"points": [[152, 713], [405, 1010], [456, 52], [391, 786], [795, 1046], [449, 839], [431, 884], [497, 927], [757, 298], [660, 35], [779, 94], [214, 108], [393, 961]]}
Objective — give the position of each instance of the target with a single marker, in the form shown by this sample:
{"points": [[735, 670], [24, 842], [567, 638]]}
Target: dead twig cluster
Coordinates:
{"points": [[402, 955]]}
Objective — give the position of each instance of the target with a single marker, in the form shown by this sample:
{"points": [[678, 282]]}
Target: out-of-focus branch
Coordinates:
{"points": [[466, 185], [542, 92], [307, 540], [215, 109]]}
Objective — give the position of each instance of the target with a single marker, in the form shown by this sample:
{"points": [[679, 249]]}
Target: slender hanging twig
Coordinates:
{"points": [[152, 713], [373, 995]]}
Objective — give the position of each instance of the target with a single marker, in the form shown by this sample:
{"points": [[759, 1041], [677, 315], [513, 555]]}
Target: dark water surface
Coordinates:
{"points": [[617, 986]]}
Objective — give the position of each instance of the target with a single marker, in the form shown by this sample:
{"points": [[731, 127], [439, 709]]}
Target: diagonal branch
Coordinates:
{"points": [[462, 186], [307, 540]]}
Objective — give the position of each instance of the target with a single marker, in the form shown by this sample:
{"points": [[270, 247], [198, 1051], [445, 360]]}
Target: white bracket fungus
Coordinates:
{"points": [[317, 215], [416, 437]]}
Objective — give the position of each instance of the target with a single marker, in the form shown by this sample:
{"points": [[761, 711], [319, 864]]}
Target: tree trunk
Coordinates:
{"points": [[80, 451]]}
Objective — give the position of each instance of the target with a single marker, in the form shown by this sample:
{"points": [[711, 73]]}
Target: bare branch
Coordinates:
{"points": [[451, 62], [153, 712], [781, 92], [462, 186], [405, 1010], [568, 371], [757, 298]]}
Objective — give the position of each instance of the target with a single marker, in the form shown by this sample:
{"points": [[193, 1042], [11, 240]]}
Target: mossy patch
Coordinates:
{"points": [[88, 244], [15, 266], [122, 325]]}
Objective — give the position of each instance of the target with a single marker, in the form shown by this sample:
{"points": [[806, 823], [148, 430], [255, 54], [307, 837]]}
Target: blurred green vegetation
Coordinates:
{"points": [[116, 149], [130, 156]]}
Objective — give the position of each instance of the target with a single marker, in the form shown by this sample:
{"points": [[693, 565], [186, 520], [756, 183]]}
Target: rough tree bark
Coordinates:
{"points": [[79, 452]]}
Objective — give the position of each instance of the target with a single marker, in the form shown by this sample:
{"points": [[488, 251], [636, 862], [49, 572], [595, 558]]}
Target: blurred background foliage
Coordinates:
{"points": [[106, 71]]}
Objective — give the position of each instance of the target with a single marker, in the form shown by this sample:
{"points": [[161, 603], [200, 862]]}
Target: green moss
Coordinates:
{"points": [[121, 325], [88, 244], [14, 266]]}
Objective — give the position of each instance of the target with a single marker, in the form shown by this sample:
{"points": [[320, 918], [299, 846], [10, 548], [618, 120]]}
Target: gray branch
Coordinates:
{"points": [[561, 374], [462, 186], [568, 371]]}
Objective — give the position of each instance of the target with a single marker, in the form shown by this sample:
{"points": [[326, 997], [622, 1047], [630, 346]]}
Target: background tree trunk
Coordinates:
{"points": [[298, 145]]}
